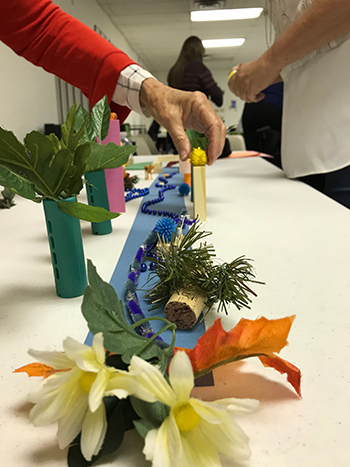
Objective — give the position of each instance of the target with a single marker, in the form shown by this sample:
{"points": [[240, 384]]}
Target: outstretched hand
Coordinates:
{"points": [[251, 78], [176, 110]]}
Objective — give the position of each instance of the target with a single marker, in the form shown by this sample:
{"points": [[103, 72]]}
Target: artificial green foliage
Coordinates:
{"points": [[84, 212], [46, 167], [18, 184], [6, 202], [182, 266], [106, 156], [152, 415], [104, 312], [120, 417], [197, 140]]}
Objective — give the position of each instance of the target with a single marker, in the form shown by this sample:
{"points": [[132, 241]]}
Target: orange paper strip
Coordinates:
{"points": [[37, 369]]}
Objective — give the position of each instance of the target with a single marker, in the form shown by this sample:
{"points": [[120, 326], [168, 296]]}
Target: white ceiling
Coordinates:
{"points": [[156, 30]]}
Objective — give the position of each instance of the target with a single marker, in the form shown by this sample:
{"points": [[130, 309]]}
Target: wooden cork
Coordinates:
{"points": [[184, 309]]}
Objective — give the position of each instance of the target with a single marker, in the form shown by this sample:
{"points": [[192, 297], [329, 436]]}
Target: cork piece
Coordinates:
{"points": [[184, 309]]}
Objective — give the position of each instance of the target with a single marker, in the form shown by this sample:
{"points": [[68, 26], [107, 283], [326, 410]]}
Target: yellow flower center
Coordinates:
{"points": [[186, 417], [86, 380], [198, 157]]}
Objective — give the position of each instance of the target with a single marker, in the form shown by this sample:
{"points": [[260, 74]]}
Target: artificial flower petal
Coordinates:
{"points": [[241, 406], [121, 384], [181, 376], [198, 451], [94, 428], [228, 439], [209, 411], [98, 348], [185, 437], [69, 426], [51, 409], [98, 389], [80, 352], [58, 360], [74, 397], [152, 381], [168, 445], [150, 444], [51, 386]]}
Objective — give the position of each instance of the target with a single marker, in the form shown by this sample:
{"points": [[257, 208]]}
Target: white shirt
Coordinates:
{"points": [[316, 102], [127, 90], [282, 14]]}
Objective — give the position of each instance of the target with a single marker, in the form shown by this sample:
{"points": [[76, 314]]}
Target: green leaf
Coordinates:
{"points": [[104, 312], [86, 212], [100, 118], [152, 415], [197, 140], [6, 202], [108, 156], [76, 183], [68, 129], [18, 184], [82, 118], [33, 161], [55, 142]]}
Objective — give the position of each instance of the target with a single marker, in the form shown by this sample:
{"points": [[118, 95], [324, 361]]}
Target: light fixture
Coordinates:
{"points": [[210, 43], [226, 15]]}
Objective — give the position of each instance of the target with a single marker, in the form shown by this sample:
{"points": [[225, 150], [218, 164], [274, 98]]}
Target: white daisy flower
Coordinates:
{"points": [[74, 395], [195, 432]]}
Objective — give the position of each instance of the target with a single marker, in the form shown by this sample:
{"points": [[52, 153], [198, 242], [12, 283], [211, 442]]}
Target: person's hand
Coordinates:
{"points": [[176, 110], [251, 78]]}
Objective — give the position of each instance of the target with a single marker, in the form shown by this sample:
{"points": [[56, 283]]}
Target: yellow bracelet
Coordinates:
{"points": [[231, 74]]}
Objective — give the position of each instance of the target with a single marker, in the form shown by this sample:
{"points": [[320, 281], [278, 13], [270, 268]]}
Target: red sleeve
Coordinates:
{"points": [[42, 33]]}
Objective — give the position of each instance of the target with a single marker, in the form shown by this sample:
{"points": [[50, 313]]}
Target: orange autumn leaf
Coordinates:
{"points": [[249, 338], [281, 365], [36, 369]]}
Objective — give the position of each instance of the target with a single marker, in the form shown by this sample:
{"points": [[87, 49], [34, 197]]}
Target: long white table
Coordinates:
{"points": [[299, 241]]}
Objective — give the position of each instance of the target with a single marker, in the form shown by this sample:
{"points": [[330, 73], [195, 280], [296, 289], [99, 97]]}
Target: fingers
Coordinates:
{"points": [[180, 139], [205, 120], [216, 134]]}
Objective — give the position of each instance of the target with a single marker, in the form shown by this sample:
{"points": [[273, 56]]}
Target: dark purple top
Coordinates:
{"points": [[197, 77]]}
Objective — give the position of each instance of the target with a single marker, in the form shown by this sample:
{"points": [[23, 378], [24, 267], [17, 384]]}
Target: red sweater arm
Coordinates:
{"points": [[45, 35]]}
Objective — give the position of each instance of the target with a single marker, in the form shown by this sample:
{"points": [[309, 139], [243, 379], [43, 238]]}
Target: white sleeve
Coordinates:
{"points": [[127, 90]]}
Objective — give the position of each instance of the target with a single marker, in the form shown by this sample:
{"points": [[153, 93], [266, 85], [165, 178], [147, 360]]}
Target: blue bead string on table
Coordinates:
{"points": [[164, 186], [131, 298], [136, 193]]}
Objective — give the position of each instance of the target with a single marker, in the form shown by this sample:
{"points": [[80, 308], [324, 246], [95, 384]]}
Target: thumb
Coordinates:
{"points": [[180, 139]]}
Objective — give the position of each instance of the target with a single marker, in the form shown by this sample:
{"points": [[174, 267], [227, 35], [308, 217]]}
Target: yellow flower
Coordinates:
{"points": [[198, 157], [74, 397], [195, 432]]}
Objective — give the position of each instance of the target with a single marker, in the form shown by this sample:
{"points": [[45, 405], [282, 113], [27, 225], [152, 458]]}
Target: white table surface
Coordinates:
{"points": [[299, 240]]}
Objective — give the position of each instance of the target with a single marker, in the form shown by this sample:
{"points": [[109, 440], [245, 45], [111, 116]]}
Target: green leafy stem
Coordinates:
{"points": [[44, 167]]}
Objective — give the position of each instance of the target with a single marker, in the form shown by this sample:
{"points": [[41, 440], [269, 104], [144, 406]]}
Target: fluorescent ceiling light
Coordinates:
{"points": [[226, 15], [222, 43]]}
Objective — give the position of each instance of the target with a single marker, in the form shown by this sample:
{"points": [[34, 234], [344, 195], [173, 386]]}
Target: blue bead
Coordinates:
{"points": [[154, 212], [143, 267], [152, 265], [159, 212], [165, 213]]}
